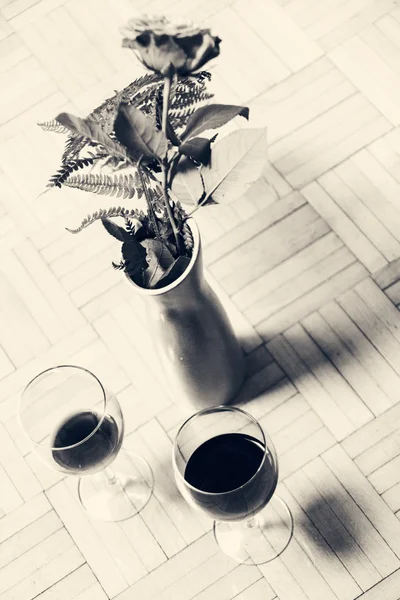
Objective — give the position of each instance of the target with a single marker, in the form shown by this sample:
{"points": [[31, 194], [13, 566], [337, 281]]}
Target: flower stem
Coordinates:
{"points": [[169, 209], [152, 216], [164, 165], [166, 98]]}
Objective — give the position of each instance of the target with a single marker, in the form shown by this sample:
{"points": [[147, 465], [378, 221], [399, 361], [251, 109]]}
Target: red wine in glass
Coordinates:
{"points": [[75, 425], [226, 465], [79, 454], [231, 476]]}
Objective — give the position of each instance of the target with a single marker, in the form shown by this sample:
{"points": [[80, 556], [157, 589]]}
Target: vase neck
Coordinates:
{"points": [[189, 289]]}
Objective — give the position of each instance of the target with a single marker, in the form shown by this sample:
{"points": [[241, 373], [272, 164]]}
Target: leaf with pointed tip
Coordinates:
{"points": [[187, 185], [134, 256], [178, 267], [115, 230], [212, 116], [136, 131], [159, 259], [91, 130], [237, 161], [199, 149]]}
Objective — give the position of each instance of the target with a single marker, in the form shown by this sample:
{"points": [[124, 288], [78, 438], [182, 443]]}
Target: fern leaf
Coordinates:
{"points": [[108, 185], [54, 126], [66, 169], [87, 128], [111, 212], [187, 238], [73, 146], [118, 266]]}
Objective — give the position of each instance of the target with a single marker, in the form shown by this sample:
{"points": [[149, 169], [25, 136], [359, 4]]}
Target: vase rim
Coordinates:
{"points": [[196, 250]]}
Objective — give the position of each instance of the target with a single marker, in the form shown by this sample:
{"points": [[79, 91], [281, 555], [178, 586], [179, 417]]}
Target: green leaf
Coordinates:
{"points": [[178, 267], [134, 256], [136, 131], [159, 259], [199, 149], [187, 185], [237, 161], [91, 130], [212, 116], [115, 230]]}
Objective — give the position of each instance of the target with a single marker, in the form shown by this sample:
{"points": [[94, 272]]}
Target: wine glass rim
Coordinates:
{"points": [[58, 448], [202, 412]]}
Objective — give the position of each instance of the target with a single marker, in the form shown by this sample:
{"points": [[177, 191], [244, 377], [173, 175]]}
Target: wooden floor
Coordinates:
{"points": [[308, 268]]}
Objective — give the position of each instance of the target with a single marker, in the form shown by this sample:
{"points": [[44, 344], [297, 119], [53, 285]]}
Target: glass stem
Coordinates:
{"points": [[250, 523], [110, 476]]}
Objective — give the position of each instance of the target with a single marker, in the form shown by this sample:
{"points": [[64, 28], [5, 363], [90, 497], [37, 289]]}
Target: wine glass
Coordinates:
{"points": [[226, 466], [76, 427]]}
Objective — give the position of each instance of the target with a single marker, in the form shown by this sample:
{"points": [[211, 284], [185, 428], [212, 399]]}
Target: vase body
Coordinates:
{"points": [[193, 339]]}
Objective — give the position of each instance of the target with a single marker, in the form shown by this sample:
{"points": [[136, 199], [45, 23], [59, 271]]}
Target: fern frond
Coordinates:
{"points": [[187, 237], [111, 212], [118, 266], [106, 185], [66, 169], [129, 226], [73, 146], [54, 126]]}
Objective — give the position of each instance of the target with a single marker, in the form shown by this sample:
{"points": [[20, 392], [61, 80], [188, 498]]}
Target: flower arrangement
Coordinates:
{"points": [[154, 140]]}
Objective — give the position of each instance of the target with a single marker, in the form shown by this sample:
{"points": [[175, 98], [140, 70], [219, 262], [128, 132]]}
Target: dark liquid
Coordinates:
{"points": [[94, 453], [224, 464]]}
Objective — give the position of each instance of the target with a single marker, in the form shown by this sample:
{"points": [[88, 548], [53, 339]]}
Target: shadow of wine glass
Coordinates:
{"points": [[318, 516]]}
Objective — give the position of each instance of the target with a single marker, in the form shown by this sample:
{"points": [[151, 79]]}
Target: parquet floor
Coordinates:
{"points": [[308, 269]]}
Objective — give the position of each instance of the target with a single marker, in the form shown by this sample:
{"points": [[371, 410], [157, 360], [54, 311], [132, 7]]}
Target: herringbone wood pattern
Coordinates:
{"points": [[308, 268]]}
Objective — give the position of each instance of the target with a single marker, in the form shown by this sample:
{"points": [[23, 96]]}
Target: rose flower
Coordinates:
{"points": [[159, 43]]}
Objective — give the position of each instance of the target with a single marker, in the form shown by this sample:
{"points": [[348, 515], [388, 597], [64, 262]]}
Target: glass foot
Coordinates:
{"points": [[260, 539], [120, 491]]}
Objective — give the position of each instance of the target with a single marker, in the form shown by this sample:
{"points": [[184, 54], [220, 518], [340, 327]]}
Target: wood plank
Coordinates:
{"points": [[337, 219], [264, 219], [241, 578], [379, 454], [185, 520], [38, 556], [320, 553], [369, 13], [379, 175], [361, 216], [260, 589], [373, 432], [370, 195], [263, 252], [273, 25], [29, 537], [334, 491], [363, 350], [170, 573], [343, 394], [16, 467], [363, 493], [351, 141], [322, 403], [104, 565], [346, 363], [344, 546], [73, 586], [362, 65], [297, 264], [388, 588], [311, 301], [299, 285], [372, 326], [47, 575]]}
